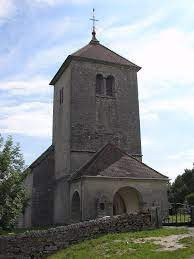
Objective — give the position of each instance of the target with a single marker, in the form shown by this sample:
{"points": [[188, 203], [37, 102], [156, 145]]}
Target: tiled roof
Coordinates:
{"points": [[99, 52], [96, 52], [42, 156], [110, 161]]}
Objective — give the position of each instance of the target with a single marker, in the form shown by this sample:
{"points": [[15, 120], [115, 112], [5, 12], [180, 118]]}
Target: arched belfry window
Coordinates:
{"points": [[109, 85], [99, 84]]}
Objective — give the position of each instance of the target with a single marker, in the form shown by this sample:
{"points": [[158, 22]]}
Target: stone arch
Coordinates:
{"points": [[76, 207], [126, 200]]}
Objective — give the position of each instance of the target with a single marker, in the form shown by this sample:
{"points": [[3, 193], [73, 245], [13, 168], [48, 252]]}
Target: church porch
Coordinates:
{"points": [[107, 196]]}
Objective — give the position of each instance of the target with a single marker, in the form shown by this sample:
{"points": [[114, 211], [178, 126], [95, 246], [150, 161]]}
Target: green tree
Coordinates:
{"points": [[182, 186], [13, 197], [190, 198]]}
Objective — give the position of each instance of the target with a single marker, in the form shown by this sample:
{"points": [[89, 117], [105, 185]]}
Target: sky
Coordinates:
{"points": [[36, 36]]}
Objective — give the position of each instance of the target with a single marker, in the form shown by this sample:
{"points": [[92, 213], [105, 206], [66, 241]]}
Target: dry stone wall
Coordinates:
{"points": [[38, 244]]}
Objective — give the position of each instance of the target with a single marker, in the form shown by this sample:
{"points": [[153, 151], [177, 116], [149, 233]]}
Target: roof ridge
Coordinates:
{"points": [[89, 161], [140, 162], [99, 53], [80, 49], [99, 154], [84, 50], [42, 156]]}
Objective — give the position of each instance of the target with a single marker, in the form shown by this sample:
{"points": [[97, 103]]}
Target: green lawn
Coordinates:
{"points": [[123, 246]]}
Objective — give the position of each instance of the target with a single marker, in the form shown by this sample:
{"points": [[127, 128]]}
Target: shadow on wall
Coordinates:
{"points": [[126, 200]]}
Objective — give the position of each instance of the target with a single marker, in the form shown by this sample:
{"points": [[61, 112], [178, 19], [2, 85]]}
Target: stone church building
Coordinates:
{"points": [[94, 166]]}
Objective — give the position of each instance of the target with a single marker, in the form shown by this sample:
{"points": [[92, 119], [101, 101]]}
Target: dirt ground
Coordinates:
{"points": [[167, 243]]}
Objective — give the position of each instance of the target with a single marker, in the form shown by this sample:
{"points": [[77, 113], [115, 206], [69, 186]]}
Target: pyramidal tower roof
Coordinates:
{"points": [[95, 52]]}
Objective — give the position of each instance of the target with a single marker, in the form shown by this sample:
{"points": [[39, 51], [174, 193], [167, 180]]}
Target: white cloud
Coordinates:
{"points": [[49, 2], [47, 58], [166, 55], [32, 86], [7, 8], [32, 119], [167, 60], [173, 169], [145, 141], [7, 57], [148, 114], [59, 27], [128, 30], [183, 155], [180, 161], [57, 2], [42, 58], [182, 105]]}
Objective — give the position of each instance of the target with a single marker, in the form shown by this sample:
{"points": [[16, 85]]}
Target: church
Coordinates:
{"points": [[94, 166]]}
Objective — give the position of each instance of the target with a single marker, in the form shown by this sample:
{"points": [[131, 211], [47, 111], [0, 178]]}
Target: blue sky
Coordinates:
{"points": [[36, 37]]}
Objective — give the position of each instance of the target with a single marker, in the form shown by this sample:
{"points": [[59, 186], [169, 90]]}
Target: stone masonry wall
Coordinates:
{"points": [[98, 120], [42, 192], [38, 244]]}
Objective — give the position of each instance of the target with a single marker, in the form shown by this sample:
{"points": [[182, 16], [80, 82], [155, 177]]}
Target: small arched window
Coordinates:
{"points": [[99, 84], [109, 85]]}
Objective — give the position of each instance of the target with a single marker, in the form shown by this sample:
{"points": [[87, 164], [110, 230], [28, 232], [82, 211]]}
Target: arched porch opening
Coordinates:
{"points": [[76, 207], [126, 200]]}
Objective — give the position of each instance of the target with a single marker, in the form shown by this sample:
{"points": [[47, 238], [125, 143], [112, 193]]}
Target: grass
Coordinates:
{"points": [[122, 245], [187, 241]]}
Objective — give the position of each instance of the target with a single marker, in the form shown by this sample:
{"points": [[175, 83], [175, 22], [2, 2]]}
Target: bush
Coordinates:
{"points": [[13, 197], [190, 198]]}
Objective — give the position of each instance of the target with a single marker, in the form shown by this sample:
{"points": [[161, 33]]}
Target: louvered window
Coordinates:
{"points": [[99, 84], [109, 85]]}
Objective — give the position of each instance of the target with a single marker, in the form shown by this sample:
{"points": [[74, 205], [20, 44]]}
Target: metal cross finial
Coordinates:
{"points": [[94, 20]]}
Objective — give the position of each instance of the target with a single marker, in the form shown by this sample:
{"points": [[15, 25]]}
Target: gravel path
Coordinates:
{"points": [[168, 243]]}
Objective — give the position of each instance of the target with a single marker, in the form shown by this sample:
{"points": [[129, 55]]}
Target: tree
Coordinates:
{"points": [[190, 198], [182, 186], [13, 197]]}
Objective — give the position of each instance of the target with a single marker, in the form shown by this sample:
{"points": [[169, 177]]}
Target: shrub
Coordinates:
{"points": [[190, 198]]}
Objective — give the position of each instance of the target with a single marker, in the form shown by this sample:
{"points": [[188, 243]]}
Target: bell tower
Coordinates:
{"points": [[95, 102]]}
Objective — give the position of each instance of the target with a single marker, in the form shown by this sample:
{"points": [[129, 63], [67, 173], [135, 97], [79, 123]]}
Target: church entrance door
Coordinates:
{"points": [[126, 200]]}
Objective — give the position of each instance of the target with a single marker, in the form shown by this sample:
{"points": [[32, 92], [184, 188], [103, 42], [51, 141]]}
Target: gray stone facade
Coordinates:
{"points": [[149, 191], [75, 179]]}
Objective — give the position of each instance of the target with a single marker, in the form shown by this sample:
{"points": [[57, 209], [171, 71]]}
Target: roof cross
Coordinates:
{"points": [[93, 19]]}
